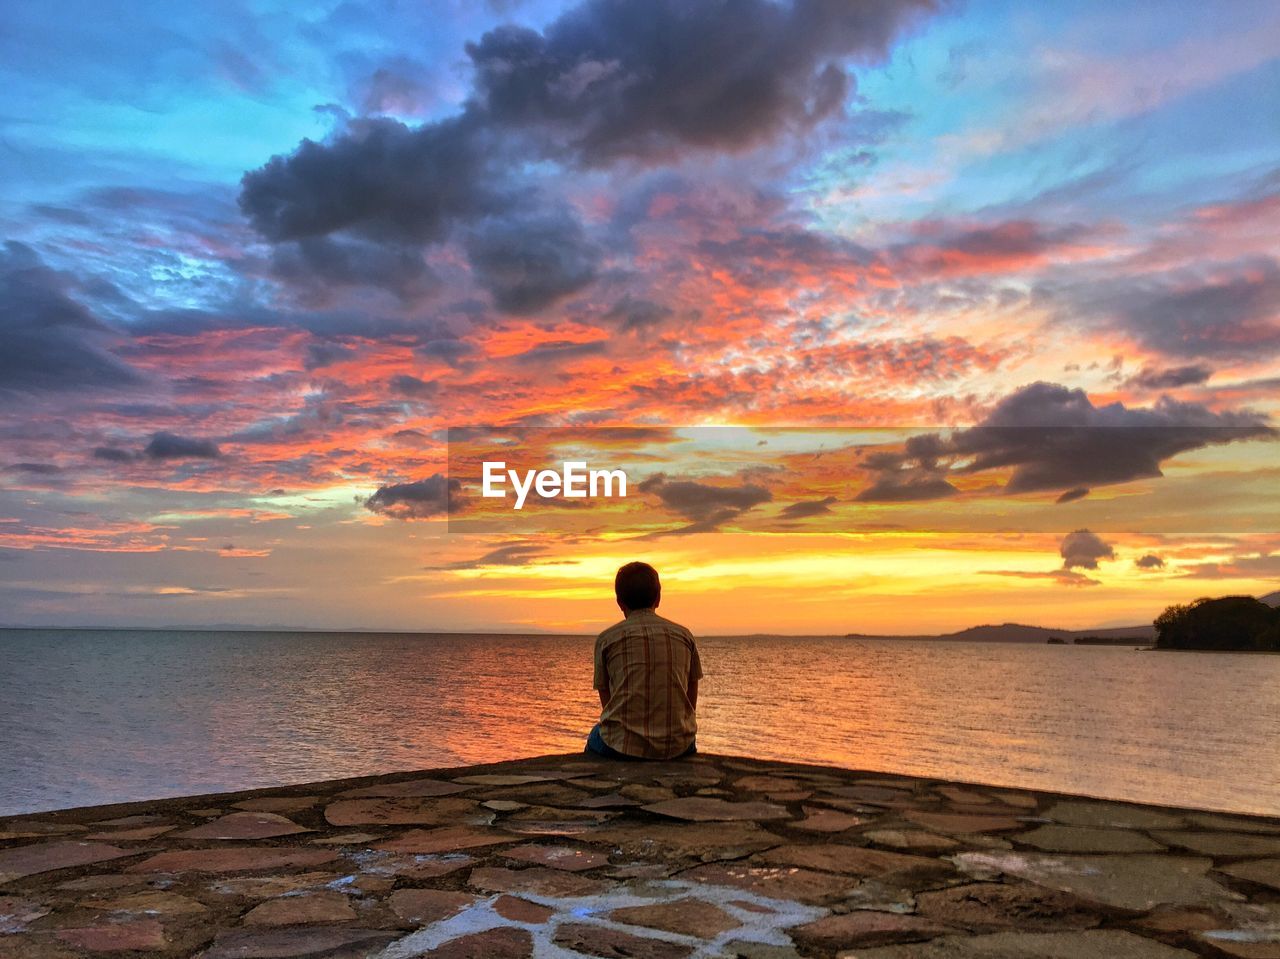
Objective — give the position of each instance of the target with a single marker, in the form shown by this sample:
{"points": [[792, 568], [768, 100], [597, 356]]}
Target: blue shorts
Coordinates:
{"points": [[597, 745]]}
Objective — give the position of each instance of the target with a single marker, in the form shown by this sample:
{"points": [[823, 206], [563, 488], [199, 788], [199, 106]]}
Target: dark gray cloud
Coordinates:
{"points": [[611, 79], [806, 509], [562, 351], [1152, 378], [907, 486], [170, 446], [698, 501], [49, 341], [1073, 494], [1232, 317], [319, 265], [527, 261], [509, 554], [1149, 561], [1081, 549], [411, 386], [433, 496], [606, 81], [326, 353], [1052, 438], [113, 454], [705, 505], [380, 179], [632, 314]]}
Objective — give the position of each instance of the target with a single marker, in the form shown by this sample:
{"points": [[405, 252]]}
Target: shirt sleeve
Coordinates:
{"points": [[695, 661], [601, 679]]}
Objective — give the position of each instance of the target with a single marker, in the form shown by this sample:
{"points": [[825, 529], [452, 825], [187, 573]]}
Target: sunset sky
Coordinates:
{"points": [[1008, 275]]}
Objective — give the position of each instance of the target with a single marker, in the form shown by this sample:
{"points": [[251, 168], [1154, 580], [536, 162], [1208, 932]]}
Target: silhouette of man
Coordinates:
{"points": [[646, 671]]}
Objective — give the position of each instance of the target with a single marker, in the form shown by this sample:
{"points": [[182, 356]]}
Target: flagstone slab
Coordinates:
{"points": [[1083, 812], [865, 928], [688, 917], [245, 825], [1055, 838], [829, 820], [503, 805], [522, 910], [1135, 882], [263, 887], [445, 839], [1265, 872], [152, 902], [100, 881], [124, 822], [677, 841], [280, 804], [608, 801], [995, 906], [347, 839], [1016, 799], [501, 942], [423, 906], [32, 828], [1088, 944], [377, 862], [959, 823], [138, 935], [537, 881], [776, 882], [539, 794], [233, 859], [402, 812], [964, 795], [503, 780], [913, 840], [875, 795], [602, 941], [136, 834], [16, 913], [707, 809], [557, 814], [1229, 823], [291, 941], [647, 794], [312, 907], [19, 861], [567, 858], [856, 861], [410, 789], [1222, 843]]}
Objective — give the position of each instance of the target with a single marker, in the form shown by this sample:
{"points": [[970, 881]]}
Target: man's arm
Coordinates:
{"points": [[604, 696], [693, 692]]}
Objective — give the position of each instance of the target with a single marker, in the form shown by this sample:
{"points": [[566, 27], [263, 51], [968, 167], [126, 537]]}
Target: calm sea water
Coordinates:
{"points": [[91, 717]]}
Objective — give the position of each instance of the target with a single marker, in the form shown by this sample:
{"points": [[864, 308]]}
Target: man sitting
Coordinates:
{"points": [[646, 671]]}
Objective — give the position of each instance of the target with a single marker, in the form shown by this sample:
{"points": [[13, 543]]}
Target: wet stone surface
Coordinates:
{"points": [[573, 856]]}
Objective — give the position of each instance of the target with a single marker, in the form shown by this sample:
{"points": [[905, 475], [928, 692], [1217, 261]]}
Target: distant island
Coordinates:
{"points": [[1181, 626], [1021, 633]]}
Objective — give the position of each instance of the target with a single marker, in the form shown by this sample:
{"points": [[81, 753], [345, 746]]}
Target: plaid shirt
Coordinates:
{"points": [[647, 662]]}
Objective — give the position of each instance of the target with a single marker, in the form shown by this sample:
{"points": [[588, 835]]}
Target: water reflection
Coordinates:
{"points": [[91, 717]]}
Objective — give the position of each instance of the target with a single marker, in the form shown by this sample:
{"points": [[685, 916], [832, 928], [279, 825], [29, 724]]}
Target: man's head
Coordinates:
{"points": [[637, 587]]}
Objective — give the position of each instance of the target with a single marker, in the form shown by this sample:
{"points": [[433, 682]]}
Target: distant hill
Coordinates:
{"points": [[1020, 633]]}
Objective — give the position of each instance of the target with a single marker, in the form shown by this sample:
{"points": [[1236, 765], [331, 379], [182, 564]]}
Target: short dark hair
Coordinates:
{"points": [[637, 586]]}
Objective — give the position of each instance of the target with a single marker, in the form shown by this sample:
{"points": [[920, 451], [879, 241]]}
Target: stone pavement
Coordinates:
{"points": [[566, 856]]}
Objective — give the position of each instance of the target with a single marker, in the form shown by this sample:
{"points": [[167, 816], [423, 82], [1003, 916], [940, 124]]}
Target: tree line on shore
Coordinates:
{"points": [[1224, 623]]}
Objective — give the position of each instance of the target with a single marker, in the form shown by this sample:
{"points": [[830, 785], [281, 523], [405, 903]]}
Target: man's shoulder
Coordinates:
{"points": [[637, 623], [674, 626]]}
